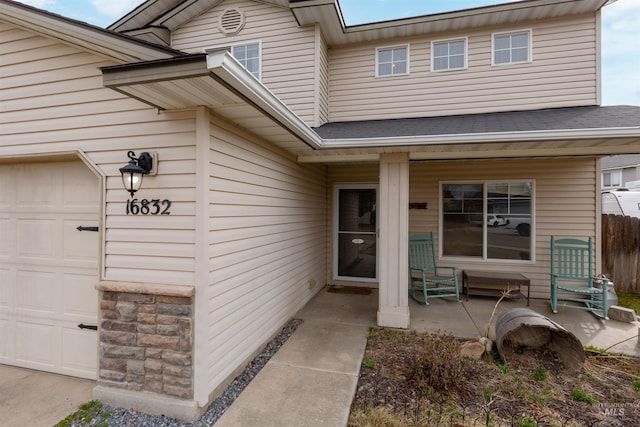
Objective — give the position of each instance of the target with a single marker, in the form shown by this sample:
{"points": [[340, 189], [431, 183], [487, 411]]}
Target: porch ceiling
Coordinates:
{"points": [[220, 83]]}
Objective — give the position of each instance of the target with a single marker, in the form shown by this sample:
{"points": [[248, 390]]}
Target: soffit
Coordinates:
{"points": [[169, 13], [327, 13]]}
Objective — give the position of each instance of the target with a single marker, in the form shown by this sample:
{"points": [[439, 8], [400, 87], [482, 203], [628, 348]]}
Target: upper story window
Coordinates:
{"points": [[511, 48], [249, 56], [488, 220], [612, 179], [392, 61], [449, 54]]}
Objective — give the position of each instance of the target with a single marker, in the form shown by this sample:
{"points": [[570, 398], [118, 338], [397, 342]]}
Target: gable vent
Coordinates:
{"points": [[231, 21]]}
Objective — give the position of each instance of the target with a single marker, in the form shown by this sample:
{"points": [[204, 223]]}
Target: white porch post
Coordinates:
{"points": [[393, 305]]}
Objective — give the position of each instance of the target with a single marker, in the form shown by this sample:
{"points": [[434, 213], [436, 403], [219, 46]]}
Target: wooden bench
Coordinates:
{"points": [[489, 283]]}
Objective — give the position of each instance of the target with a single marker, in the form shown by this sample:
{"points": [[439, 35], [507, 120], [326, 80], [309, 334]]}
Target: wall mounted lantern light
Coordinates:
{"points": [[133, 171]]}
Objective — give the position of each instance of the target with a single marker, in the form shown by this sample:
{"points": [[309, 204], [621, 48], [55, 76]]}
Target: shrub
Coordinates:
{"points": [[438, 364]]}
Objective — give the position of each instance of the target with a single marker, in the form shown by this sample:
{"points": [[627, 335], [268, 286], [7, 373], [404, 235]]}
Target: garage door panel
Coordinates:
{"points": [[80, 297], [42, 182], [37, 291], [5, 339], [5, 237], [80, 245], [35, 238], [34, 342], [79, 188], [79, 351], [6, 285], [48, 269]]}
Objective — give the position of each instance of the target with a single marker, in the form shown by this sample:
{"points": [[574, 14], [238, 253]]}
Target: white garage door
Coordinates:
{"points": [[48, 269]]}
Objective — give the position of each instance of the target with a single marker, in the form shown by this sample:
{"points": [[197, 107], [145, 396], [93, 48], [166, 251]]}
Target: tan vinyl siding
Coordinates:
{"points": [[565, 204], [288, 52], [323, 84], [55, 103], [560, 47], [267, 221]]}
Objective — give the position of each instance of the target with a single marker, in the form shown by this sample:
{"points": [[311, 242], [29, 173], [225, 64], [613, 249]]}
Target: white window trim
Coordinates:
{"points": [[484, 258], [611, 172], [228, 47], [466, 54], [378, 49], [529, 48]]}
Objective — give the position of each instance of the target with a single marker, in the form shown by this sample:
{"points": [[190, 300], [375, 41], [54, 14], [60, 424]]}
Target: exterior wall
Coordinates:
{"points": [[323, 87], [146, 341], [630, 174], [54, 103], [288, 52], [565, 202], [563, 73], [564, 205], [267, 246]]}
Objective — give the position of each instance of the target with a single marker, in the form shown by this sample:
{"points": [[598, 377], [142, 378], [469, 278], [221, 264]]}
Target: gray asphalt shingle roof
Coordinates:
{"points": [[571, 118]]}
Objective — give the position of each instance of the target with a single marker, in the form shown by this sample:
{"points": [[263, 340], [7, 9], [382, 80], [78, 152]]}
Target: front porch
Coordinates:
{"points": [[468, 319]]}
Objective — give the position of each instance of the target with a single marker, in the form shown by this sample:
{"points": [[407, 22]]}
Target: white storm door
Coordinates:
{"points": [[48, 268], [355, 253]]}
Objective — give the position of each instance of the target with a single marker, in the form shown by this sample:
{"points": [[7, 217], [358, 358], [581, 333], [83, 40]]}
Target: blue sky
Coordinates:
{"points": [[620, 30]]}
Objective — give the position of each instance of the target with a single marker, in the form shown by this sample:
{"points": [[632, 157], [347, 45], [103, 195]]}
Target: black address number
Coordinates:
{"points": [[148, 207]]}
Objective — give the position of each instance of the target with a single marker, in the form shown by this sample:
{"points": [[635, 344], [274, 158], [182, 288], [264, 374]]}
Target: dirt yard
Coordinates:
{"points": [[410, 379]]}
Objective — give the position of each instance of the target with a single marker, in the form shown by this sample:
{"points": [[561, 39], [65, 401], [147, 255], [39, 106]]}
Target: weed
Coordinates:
{"points": [[636, 385], [539, 375], [87, 412], [526, 422], [631, 301], [504, 368], [368, 363], [438, 364], [582, 396]]}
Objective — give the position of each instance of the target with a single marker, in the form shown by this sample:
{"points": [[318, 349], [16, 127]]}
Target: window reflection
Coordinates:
{"points": [[503, 210]]}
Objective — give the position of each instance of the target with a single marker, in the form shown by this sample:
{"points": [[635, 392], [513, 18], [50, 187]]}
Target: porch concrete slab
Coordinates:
{"points": [[326, 346], [35, 398], [342, 308], [282, 395], [442, 316], [469, 319]]}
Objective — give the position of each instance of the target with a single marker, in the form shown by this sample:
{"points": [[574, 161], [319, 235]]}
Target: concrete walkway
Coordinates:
{"points": [[313, 377]]}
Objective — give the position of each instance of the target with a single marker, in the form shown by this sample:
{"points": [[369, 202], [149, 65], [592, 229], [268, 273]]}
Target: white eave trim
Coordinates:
{"points": [[227, 68], [477, 138]]}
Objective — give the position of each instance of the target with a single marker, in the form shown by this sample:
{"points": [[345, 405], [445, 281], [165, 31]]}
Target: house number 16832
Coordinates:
{"points": [[148, 207]]}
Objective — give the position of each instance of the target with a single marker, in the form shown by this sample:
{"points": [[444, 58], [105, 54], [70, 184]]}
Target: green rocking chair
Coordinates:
{"points": [[573, 284], [425, 276]]}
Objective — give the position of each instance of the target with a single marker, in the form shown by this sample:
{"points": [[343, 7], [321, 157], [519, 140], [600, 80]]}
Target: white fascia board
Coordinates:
{"points": [[223, 65], [476, 138]]}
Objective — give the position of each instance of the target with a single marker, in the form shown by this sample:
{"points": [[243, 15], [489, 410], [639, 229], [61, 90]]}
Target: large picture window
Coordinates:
{"points": [[487, 220]]}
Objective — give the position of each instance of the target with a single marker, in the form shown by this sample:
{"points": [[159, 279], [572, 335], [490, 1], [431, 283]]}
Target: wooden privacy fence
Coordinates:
{"points": [[621, 251]]}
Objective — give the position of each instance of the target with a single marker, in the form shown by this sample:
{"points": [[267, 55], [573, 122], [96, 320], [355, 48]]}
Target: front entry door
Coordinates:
{"points": [[355, 239]]}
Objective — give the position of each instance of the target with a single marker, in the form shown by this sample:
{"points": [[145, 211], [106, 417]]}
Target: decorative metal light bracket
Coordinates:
{"points": [[133, 171]]}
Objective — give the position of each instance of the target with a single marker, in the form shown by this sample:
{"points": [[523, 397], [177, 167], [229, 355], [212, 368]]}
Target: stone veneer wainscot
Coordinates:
{"points": [[146, 338]]}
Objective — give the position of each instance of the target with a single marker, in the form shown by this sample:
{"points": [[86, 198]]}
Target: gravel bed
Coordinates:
{"points": [[120, 417]]}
